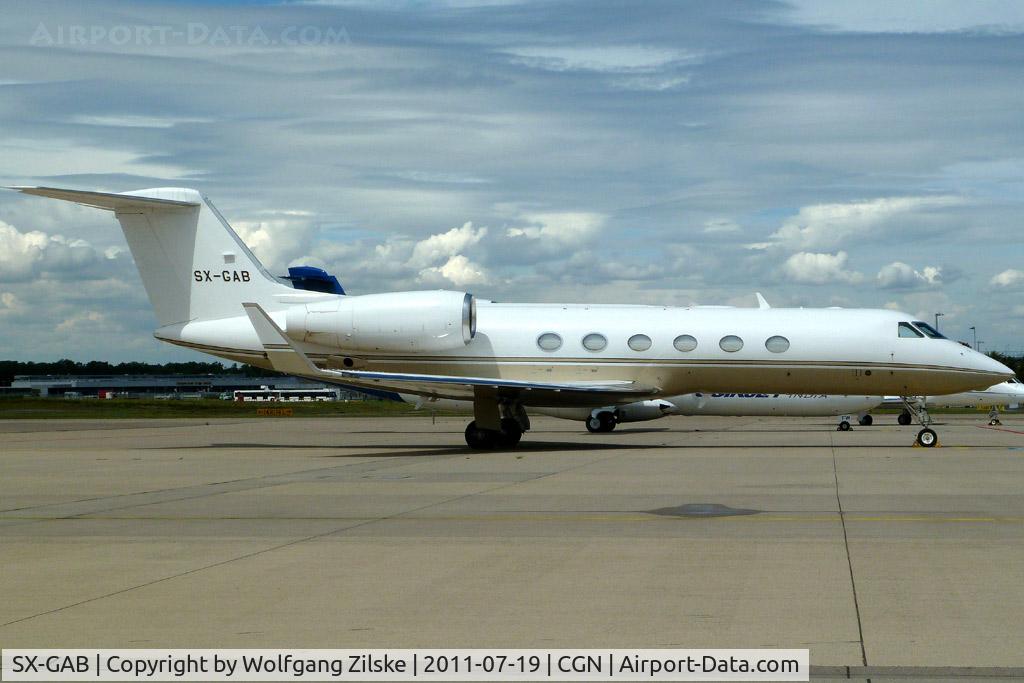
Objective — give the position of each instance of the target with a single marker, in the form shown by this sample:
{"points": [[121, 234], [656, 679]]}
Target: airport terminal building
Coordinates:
{"points": [[167, 386]]}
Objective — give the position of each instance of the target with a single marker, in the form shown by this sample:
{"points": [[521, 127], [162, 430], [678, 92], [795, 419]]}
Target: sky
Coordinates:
{"points": [[866, 154]]}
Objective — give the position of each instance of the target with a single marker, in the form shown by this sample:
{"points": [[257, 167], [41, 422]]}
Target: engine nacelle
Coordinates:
{"points": [[641, 411], [399, 321]]}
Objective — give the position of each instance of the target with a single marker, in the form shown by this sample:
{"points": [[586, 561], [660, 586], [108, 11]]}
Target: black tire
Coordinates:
{"points": [[844, 426], [865, 421], [607, 421], [593, 424], [927, 438], [904, 418], [480, 439], [511, 432]]}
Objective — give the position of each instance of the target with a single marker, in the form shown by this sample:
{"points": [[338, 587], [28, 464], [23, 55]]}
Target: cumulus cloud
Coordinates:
{"points": [[814, 268], [85, 321], [277, 242], [24, 255], [1008, 278], [560, 228], [822, 226], [458, 270], [899, 275], [445, 245]]}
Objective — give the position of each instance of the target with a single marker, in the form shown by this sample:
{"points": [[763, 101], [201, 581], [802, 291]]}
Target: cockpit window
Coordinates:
{"points": [[907, 331], [928, 329]]}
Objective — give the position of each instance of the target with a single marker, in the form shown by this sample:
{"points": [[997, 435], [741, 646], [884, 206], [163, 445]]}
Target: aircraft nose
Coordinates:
{"points": [[990, 367]]}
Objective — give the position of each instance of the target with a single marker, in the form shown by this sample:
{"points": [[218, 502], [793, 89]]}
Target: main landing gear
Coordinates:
{"points": [[488, 439], [500, 422], [914, 407], [601, 422]]}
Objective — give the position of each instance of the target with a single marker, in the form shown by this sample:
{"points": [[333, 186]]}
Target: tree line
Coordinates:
{"points": [[1015, 363], [10, 368]]}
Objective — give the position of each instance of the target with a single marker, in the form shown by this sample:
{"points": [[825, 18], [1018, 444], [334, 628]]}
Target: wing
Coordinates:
{"points": [[529, 392], [285, 357]]}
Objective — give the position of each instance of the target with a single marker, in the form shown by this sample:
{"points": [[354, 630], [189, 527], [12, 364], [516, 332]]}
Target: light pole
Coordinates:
{"points": [[937, 316], [974, 331], [979, 346]]}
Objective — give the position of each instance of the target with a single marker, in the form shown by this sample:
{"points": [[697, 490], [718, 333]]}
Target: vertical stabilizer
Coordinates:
{"points": [[192, 264]]}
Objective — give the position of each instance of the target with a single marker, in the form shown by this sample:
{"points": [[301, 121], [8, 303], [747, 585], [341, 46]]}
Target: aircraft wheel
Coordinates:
{"points": [[904, 418], [607, 421], [480, 439], [927, 438], [844, 426], [593, 424], [511, 432], [866, 421]]}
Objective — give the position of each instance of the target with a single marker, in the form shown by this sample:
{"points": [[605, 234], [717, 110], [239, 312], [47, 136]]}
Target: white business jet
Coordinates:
{"points": [[605, 418], [730, 404], [1005, 393], [211, 294]]}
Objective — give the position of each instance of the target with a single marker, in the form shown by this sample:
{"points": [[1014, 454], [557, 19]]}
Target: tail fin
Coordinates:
{"points": [[192, 264]]}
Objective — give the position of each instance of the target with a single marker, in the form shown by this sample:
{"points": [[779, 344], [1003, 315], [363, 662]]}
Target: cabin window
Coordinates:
{"points": [[777, 344], [730, 343], [639, 342], [928, 330], [594, 342], [549, 341], [685, 342], [907, 331]]}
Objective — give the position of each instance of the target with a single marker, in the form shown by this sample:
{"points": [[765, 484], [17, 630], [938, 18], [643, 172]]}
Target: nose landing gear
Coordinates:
{"points": [[926, 438]]}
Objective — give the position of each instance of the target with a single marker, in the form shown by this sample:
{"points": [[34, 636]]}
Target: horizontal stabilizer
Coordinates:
{"points": [[104, 200]]}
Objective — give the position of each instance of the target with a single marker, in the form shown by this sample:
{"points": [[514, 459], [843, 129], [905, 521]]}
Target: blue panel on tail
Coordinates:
{"points": [[314, 279]]}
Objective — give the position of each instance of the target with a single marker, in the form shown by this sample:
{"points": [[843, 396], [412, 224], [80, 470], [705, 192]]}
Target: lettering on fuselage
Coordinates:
{"points": [[806, 396], [221, 275]]}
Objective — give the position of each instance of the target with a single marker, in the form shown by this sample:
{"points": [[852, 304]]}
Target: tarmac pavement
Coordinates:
{"points": [[885, 560]]}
